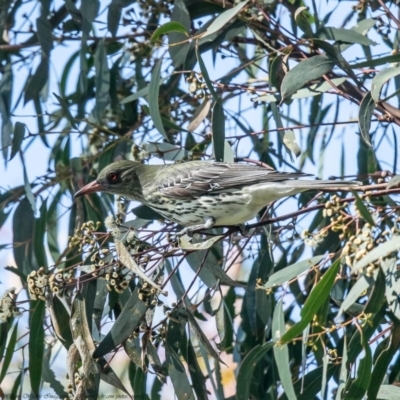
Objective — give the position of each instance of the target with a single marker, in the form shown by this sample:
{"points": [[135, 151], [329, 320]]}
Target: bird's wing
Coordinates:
{"points": [[193, 179]]}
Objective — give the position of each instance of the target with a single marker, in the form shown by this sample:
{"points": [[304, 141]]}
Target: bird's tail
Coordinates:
{"points": [[330, 185]]}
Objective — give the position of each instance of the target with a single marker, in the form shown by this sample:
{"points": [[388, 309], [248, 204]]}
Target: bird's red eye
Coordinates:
{"points": [[112, 177]]}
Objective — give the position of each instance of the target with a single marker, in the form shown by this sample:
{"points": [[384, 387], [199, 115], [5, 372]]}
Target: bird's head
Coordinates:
{"points": [[117, 178]]}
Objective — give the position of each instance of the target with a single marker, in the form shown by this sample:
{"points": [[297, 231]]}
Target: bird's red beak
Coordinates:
{"points": [[91, 187]]}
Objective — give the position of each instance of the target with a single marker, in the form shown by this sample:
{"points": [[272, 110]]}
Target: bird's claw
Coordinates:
{"points": [[185, 231], [190, 230]]}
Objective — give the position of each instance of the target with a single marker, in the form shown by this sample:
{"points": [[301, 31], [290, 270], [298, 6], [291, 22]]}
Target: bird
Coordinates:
{"points": [[203, 194]]}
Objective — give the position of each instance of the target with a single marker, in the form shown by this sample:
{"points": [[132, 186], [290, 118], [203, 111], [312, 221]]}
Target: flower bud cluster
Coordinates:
{"points": [[313, 239], [38, 284], [142, 50], [116, 280], [59, 280], [358, 245], [8, 308], [148, 294], [334, 209], [155, 7], [197, 87], [84, 237]]}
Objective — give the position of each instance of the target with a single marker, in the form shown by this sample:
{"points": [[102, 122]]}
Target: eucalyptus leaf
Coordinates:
{"points": [[224, 18], [380, 79], [304, 72], [313, 303], [17, 139], [168, 27], [154, 90], [365, 114], [291, 272]]}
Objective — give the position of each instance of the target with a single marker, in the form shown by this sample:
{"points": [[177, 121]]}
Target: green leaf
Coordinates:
{"points": [[281, 352], [201, 337], [314, 302], [224, 18], [114, 15], [356, 342], [109, 376], [176, 283], [139, 386], [154, 91], [395, 181], [49, 376], [308, 386], [23, 230], [198, 379], [317, 88], [52, 227], [18, 137], [186, 244], [278, 71], [224, 321], [207, 261], [179, 52], [27, 186], [278, 120], [206, 77], [128, 261], [343, 372], [304, 72], [291, 271], [60, 319], [36, 345], [218, 132], [374, 62], [140, 93], [380, 79], [362, 284], [9, 353], [345, 36], [39, 237], [392, 245], [365, 114], [66, 111], [383, 362], [16, 387], [247, 367], [44, 34], [6, 91], [129, 319], [102, 80], [132, 348], [168, 27], [177, 373], [360, 385], [37, 81], [301, 16], [310, 91], [363, 210]]}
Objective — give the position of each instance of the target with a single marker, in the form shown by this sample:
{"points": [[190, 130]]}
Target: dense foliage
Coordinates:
{"points": [[305, 303]]}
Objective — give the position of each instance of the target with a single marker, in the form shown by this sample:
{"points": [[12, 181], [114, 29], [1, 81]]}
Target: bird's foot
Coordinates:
{"points": [[190, 230]]}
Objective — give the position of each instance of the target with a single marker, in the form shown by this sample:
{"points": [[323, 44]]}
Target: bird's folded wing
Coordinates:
{"points": [[196, 179]]}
